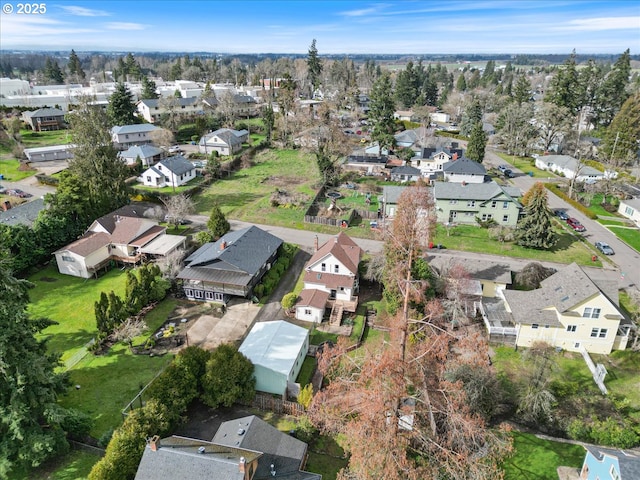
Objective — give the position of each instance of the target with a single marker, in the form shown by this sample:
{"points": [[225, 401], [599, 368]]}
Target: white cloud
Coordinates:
{"points": [[376, 9], [84, 12], [604, 23], [125, 26]]}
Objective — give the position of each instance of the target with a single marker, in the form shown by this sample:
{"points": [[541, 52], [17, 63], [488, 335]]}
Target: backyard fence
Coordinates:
{"points": [[74, 359], [597, 371], [277, 405]]}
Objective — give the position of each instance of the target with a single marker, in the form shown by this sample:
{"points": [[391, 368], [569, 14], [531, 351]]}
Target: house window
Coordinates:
{"points": [[534, 326], [198, 293], [336, 269], [471, 203], [576, 345], [307, 311], [486, 216], [614, 473], [505, 205], [571, 328], [505, 218], [591, 312], [166, 179], [323, 267], [453, 202], [188, 292], [149, 178], [599, 333], [208, 295]]}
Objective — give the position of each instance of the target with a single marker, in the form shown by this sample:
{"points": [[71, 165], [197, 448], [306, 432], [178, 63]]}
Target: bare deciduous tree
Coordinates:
{"points": [[178, 207]]}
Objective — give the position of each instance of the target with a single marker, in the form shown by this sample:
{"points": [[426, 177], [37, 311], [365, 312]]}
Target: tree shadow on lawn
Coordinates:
{"points": [[227, 201]]}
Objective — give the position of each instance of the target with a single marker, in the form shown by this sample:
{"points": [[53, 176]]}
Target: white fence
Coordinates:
{"points": [[598, 371], [493, 330]]}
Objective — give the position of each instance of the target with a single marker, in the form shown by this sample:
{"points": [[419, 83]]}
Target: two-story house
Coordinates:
{"points": [[153, 109], [225, 141], [462, 203], [330, 280], [609, 463], [44, 119], [170, 172], [129, 135], [569, 311], [432, 160], [464, 170]]}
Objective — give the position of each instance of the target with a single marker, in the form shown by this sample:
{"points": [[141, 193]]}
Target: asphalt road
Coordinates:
{"points": [[626, 260]]}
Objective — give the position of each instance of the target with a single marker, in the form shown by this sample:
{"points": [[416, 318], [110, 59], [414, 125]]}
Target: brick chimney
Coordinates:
{"points": [[223, 245], [154, 443], [6, 205], [455, 156], [242, 464]]}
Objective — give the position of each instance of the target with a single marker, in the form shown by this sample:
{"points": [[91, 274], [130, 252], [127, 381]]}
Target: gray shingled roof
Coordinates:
{"points": [[477, 268], [142, 151], [563, 290], [567, 161], [23, 214], [464, 166], [391, 193], [109, 220], [285, 452], [183, 102], [228, 136], [138, 128], [45, 112], [245, 253], [474, 191], [177, 164], [405, 170]]}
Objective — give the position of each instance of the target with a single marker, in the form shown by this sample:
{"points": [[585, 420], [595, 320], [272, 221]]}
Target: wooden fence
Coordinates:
{"points": [[268, 403]]}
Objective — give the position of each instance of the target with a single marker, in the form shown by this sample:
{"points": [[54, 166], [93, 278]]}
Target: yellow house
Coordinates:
{"points": [[569, 311]]}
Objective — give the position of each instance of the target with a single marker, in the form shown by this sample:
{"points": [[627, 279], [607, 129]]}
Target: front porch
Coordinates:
{"points": [[497, 320]]}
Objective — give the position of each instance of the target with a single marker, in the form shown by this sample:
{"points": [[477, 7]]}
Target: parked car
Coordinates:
{"points": [[561, 214], [604, 248], [509, 173], [575, 224], [16, 192], [503, 168]]}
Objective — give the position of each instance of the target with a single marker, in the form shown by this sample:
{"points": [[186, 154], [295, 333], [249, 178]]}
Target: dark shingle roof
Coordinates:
{"points": [[285, 452], [110, 220], [177, 164], [45, 112], [142, 151], [464, 166], [183, 102], [406, 170], [24, 214], [245, 252]]}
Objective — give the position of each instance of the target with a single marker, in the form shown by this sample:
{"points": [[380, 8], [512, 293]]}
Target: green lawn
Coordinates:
{"points": [[31, 139], [631, 236], [245, 195], [596, 207], [471, 238], [70, 302], [169, 190], [306, 371], [537, 459], [10, 169], [74, 466], [526, 165]]}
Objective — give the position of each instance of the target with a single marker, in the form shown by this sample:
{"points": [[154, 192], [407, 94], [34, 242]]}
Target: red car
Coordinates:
{"points": [[16, 192], [575, 224]]}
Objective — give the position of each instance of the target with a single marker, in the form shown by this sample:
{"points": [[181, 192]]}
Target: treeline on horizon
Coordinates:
{"points": [[27, 61]]}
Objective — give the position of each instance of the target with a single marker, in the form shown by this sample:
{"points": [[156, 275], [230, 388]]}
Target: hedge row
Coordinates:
{"points": [[552, 187]]}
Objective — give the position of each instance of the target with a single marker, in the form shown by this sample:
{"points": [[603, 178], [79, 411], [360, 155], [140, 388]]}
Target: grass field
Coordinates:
{"points": [[74, 466], [246, 194], [471, 238], [537, 459], [31, 139], [631, 236], [525, 164], [10, 169]]}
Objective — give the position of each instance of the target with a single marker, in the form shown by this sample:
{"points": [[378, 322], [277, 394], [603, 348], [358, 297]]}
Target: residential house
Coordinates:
{"points": [[129, 135], [569, 167], [50, 153], [405, 173], [569, 311], [332, 269], [241, 105], [277, 350], [170, 172], [464, 170], [630, 209], [124, 236], [405, 115], [610, 463], [225, 141], [406, 138], [389, 199], [440, 117], [44, 119], [311, 305], [24, 214], [153, 109], [463, 203], [148, 155], [233, 265], [372, 159], [432, 160], [246, 448], [493, 278]]}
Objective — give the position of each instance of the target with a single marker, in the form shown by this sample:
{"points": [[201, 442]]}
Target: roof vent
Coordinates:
{"points": [[201, 449], [241, 431]]}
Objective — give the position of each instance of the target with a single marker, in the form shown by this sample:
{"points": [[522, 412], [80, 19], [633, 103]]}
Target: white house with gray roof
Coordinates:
{"points": [[233, 265], [277, 350], [462, 203], [153, 109], [464, 170], [225, 141], [630, 208], [128, 135], [170, 172], [569, 167], [148, 155]]}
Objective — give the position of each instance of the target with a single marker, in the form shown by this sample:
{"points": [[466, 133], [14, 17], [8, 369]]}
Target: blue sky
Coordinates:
{"points": [[420, 27]]}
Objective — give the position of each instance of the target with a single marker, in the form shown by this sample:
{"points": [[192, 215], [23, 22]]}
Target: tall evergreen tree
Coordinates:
{"points": [[382, 108], [149, 88], [477, 143], [461, 83], [314, 66], [470, 117], [30, 417], [613, 90], [75, 69], [52, 71], [534, 230], [217, 224], [121, 106], [406, 88], [522, 90], [620, 145], [564, 89]]}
